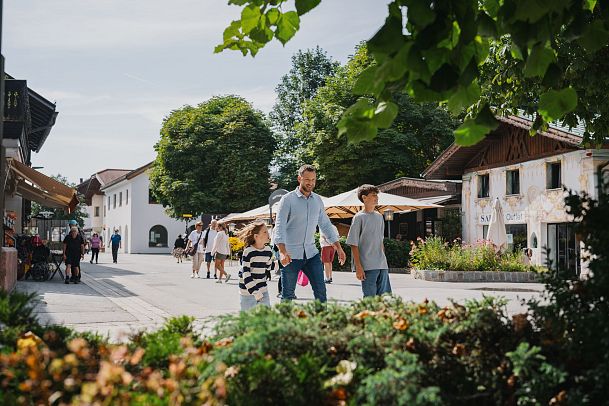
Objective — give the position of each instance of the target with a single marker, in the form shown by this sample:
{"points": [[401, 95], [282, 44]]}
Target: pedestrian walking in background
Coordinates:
{"points": [[327, 254], [257, 261], [115, 242], [208, 240], [196, 248], [221, 250], [178, 248], [96, 244], [300, 212], [73, 252], [366, 240]]}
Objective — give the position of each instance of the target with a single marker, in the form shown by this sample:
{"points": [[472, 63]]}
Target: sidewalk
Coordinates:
{"points": [[141, 291]]}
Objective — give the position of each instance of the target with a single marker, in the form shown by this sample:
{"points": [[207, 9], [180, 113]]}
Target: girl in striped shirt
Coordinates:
{"points": [[257, 261]]}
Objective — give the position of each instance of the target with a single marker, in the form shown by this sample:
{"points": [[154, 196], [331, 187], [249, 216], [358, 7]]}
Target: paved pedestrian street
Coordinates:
{"points": [[141, 291]]}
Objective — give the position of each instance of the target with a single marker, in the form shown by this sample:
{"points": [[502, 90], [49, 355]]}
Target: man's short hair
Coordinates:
{"points": [[73, 229], [306, 168], [365, 190]]}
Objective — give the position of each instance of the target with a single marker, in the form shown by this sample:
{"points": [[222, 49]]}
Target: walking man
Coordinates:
{"points": [[73, 252], [300, 212], [210, 236], [115, 241]]}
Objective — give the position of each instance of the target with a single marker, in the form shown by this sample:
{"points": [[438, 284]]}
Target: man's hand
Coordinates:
{"points": [[82, 256], [342, 257], [64, 257], [359, 273], [258, 296], [285, 258]]}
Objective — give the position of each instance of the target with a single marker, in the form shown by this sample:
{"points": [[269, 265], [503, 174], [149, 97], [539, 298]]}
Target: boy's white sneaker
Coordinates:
{"points": [[198, 277], [192, 276], [219, 281], [227, 278]]}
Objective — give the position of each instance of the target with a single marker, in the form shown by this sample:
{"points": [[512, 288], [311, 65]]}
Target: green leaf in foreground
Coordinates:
{"points": [[304, 6], [595, 36], [464, 97], [287, 25], [556, 103], [249, 18], [538, 61], [385, 113], [473, 130]]}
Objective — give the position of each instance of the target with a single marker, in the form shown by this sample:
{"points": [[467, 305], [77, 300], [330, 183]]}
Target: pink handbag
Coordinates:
{"points": [[302, 279]]}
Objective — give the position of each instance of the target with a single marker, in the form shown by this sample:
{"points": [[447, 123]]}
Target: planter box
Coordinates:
{"points": [[8, 269], [476, 276]]}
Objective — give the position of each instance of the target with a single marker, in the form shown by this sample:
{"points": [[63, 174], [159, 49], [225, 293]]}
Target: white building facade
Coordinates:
{"points": [[529, 176], [144, 226]]}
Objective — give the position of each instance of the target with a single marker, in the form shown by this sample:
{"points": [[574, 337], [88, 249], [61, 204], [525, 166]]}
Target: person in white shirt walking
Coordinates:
{"points": [[221, 251], [209, 238], [195, 242]]}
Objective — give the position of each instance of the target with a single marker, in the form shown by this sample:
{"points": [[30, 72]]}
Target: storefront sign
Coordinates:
{"points": [[510, 217]]}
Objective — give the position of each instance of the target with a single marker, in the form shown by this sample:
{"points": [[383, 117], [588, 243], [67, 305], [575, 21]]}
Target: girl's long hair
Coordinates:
{"points": [[247, 233]]}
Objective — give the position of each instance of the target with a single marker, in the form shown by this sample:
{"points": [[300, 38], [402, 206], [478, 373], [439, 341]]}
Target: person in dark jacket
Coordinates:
{"points": [[178, 248]]}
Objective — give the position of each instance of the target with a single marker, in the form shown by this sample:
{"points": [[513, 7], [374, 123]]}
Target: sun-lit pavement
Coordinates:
{"points": [[142, 290]]}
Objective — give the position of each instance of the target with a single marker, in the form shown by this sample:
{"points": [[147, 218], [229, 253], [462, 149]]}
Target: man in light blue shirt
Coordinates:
{"points": [[300, 212]]}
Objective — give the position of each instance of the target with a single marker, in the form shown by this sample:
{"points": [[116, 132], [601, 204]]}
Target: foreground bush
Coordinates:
{"points": [[377, 351], [436, 254]]}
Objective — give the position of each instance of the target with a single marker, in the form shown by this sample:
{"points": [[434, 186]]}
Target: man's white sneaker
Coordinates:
{"points": [[192, 276], [198, 277]]}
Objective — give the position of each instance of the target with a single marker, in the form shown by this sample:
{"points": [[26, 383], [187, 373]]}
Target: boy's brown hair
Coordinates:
{"points": [[365, 190], [247, 233]]}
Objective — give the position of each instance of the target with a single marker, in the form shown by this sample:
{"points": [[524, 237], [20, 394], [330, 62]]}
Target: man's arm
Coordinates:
{"points": [[65, 246], [82, 248], [283, 211]]}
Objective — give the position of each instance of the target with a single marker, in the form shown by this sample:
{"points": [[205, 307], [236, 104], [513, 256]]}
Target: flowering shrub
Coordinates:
{"points": [[236, 245], [435, 253]]}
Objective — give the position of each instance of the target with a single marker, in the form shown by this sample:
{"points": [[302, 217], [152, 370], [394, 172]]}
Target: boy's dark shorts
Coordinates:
{"points": [[208, 257], [73, 260]]}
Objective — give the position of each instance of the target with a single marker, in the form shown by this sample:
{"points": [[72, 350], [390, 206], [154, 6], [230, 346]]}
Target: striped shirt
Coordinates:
{"points": [[252, 276]]}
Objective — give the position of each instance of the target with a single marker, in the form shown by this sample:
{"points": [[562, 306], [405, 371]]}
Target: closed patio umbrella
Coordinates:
{"points": [[346, 204], [496, 228]]}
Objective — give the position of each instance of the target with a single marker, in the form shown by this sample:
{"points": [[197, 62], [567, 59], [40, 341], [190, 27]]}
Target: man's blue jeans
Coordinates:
{"points": [[311, 267], [376, 282]]}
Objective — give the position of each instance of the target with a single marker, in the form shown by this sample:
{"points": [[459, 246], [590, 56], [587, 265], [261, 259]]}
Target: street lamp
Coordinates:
{"points": [[388, 214]]}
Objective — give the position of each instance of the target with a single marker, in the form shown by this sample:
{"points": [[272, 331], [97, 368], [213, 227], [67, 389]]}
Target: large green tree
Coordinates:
{"points": [[418, 135], [309, 71], [79, 213], [213, 158], [437, 51]]}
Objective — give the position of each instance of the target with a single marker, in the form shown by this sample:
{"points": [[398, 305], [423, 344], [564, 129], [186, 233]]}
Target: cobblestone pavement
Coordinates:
{"points": [[141, 291]]}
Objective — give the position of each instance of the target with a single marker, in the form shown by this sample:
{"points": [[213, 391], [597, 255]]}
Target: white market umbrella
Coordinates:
{"points": [[258, 212], [261, 212], [346, 204], [496, 228]]}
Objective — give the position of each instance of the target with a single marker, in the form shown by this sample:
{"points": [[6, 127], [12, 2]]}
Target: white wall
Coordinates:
{"points": [[535, 206], [136, 217], [119, 217], [148, 215]]}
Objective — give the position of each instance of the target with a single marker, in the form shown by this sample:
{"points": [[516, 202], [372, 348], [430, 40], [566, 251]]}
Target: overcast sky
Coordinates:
{"points": [[115, 68]]}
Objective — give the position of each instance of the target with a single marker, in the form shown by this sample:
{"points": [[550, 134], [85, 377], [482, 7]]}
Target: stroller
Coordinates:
{"points": [[40, 269]]}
